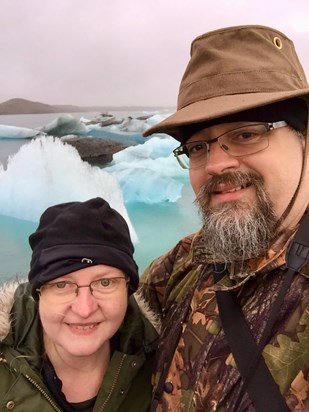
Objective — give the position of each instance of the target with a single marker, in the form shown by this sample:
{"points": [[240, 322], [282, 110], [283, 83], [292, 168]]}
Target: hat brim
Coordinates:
{"points": [[217, 107]]}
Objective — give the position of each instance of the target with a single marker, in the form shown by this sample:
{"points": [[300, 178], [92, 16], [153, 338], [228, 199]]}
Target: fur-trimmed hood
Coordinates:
{"points": [[7, 291], [148, 313]]}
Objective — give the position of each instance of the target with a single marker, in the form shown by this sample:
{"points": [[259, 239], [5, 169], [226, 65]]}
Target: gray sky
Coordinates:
{"points": [[121, 52]]}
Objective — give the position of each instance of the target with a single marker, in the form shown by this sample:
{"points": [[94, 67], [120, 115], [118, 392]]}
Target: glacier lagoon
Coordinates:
{"points": [[144, 183]]}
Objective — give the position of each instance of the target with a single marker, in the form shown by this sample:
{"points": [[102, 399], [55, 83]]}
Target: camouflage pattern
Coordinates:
{"points": [[202, 375]]}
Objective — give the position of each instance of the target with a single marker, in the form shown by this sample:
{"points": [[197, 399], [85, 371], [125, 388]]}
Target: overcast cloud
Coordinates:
{"points": [[121, 52]]}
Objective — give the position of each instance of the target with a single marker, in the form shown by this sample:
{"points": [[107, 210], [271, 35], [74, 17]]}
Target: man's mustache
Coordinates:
{"points": [[231, 178]]}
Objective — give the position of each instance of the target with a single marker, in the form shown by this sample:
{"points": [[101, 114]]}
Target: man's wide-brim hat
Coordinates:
{"points": [[232, 70]]}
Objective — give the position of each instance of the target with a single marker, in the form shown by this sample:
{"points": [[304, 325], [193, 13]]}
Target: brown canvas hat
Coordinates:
{"points": [[232, 70]]}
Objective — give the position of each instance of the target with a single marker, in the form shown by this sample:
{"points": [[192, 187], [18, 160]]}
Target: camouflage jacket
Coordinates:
{"points": [[202, 375]]}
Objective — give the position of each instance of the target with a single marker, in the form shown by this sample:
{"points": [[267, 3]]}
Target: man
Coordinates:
{"points": [[242, 126]]}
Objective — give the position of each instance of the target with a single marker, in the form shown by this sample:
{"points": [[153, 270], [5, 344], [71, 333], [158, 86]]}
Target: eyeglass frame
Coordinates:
{"points": [[81, 286], [180, 150]]}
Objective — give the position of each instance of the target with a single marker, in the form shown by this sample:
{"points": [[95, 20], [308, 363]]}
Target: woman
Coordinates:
{"points": [[73, 338]]}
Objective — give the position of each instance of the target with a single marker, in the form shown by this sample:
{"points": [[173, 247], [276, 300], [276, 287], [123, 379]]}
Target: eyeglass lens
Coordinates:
{"points": [[241, 141]]}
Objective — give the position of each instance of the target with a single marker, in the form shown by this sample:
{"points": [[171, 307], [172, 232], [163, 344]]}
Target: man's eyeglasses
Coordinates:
{"points": [[65, 291], [242, 141]]}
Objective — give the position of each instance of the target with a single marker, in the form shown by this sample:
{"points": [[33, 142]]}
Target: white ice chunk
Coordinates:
{"points": [[14, 132], [45, 172]]}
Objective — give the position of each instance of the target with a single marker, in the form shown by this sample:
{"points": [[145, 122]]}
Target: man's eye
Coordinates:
{"points": [[244, 136], [196, 149]]}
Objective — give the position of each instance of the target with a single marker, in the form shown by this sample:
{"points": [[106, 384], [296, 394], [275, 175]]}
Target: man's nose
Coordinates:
{"points": [[219, 161]]}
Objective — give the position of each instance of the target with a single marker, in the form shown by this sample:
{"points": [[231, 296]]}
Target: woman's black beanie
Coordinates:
{"points": [[75, 235]]}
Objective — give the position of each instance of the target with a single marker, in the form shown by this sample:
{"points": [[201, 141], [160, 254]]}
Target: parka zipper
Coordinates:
{"points": [[113, 384], [53, 404], [33, 382]]}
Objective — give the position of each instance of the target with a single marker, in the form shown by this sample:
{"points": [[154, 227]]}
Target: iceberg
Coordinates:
{"points": [[47, 171], [127, 138], [149, 173], [144, 183], [64, 125], [14, 132], [127, 130]]}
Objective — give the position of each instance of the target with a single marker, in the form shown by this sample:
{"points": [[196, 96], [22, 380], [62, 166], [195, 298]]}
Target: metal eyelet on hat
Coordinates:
{"points": [[277, 42]]}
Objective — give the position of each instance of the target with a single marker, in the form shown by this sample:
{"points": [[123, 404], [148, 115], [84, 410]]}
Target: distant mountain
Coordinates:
{"points": [[23, 106]]}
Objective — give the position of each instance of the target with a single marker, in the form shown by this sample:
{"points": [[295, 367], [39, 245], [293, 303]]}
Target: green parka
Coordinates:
{"points": [[127, 382]]}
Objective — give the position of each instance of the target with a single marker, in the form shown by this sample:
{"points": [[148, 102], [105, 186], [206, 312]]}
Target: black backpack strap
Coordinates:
{"points": [[298, 252], [257, 380]]}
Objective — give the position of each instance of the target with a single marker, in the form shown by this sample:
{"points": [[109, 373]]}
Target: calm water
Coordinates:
{"points": [[38, 120]]}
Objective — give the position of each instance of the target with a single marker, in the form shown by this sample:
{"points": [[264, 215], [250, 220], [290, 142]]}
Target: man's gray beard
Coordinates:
{"points": [[236, 231]]}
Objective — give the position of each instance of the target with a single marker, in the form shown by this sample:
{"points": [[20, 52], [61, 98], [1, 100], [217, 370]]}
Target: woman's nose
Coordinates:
{"points": [[84, 304]]}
